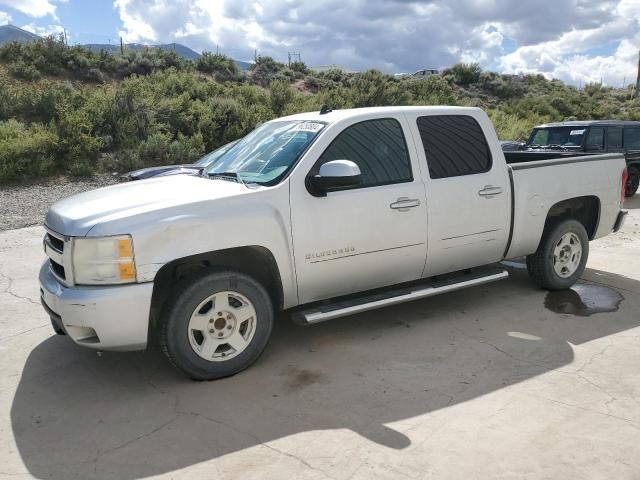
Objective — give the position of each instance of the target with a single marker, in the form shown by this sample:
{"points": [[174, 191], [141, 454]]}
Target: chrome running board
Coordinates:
{"points": [[343, 308]]}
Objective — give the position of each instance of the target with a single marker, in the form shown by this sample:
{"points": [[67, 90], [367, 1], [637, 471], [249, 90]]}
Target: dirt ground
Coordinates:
{"points": [[499, 381]]}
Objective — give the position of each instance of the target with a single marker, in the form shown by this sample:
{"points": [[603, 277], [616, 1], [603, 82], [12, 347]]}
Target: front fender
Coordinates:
{"points": [[257, 219]]}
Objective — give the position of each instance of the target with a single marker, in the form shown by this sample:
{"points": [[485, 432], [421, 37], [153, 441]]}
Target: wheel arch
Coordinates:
{"points": [[585, 209], [254, 260]]}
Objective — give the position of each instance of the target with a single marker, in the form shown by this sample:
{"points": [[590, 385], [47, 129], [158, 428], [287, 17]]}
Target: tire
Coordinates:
{"points": [[561, 256], [57, 328], [633, 182], [216, 324]]}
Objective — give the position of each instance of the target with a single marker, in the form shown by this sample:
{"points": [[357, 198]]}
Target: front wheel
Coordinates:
{"points": [[216, 324], [561, 257], [632, 182]]}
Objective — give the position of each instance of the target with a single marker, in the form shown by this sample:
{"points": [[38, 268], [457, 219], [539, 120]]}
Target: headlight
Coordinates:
{"points": [[103, 260]]}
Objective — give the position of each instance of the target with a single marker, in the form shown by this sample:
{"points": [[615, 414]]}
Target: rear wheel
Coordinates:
{"points": [[632, 182], [216, 324], [561, 257]]}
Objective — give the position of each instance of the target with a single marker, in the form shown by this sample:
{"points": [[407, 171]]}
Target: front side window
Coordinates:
{"points": [[454, 145], [614, 138], [266, 154], [632, 138], [557, 137], [378, 147]]}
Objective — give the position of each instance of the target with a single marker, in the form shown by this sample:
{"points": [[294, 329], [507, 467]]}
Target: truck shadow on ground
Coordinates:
{"points": [[76, 414]]}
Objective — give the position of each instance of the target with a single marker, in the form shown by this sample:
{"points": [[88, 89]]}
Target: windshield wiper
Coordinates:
{"points": [[234, 175]]}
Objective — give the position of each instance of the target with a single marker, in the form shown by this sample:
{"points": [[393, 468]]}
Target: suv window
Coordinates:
{"points": [[454, 145], [378, 147], [614, 138], [632, 138], [595, 139]]}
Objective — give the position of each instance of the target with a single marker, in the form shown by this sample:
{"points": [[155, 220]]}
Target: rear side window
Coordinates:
{"points": [[632, 138], [614, 138], [595, 139], [454, 145], [378, 147]]}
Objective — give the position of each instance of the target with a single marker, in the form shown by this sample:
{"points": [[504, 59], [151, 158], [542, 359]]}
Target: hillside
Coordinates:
{"points": [[74, 111], [181, 50], [10, 33]]}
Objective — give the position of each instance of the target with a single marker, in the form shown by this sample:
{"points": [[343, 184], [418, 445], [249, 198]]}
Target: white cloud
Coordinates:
{"points": [[554, 37], [5, 18], [43, 31], [33, 8], [567, 57]]}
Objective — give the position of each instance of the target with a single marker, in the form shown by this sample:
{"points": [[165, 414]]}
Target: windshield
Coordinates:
{"points": [[559, 136], [267, 153], [211, 157]]}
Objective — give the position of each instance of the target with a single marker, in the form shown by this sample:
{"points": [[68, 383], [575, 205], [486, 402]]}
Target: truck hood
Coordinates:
{"points": [[77, 215]]}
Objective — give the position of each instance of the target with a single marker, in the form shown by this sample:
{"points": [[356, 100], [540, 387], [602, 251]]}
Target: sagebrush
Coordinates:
{"points": [[68, 110]]}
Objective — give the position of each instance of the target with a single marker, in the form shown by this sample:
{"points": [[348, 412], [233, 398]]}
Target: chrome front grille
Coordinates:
{"points": [[57, 248], [55, 242]]}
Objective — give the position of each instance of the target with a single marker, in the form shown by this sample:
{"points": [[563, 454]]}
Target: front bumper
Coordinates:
{"points": [[104, 318], [619, 220]]}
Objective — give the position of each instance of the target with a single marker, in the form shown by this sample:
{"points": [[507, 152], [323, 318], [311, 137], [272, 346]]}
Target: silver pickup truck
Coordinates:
{"points": [[328, 214]]}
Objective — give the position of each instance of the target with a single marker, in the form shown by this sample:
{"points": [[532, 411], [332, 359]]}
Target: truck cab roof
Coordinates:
{"points": [[368, 112]]}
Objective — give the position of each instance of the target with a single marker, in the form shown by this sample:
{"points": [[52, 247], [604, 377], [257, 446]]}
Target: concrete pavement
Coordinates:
{"points": [[500, 381]]}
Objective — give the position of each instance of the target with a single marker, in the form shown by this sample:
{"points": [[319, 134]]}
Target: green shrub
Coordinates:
{"points": [[26, 152], [299, 67], [222, 67], [464, 73], [21, 70], [264, 69]]}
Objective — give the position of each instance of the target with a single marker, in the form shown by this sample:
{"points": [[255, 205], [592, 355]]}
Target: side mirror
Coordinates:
{"points": [[335, 174]]}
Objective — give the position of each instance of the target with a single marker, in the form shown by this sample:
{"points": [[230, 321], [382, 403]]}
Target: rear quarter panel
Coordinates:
{"points": [[538, 187]]}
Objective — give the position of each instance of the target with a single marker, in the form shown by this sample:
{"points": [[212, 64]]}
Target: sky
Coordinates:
{"points": [[577, 41]]}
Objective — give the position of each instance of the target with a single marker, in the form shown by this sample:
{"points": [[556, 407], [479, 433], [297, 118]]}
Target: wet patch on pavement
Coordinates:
{"points": [[300, 378], [584, 300]]}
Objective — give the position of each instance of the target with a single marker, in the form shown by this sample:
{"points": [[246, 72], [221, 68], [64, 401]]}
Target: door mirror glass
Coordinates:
{"points": [[335, 174]]}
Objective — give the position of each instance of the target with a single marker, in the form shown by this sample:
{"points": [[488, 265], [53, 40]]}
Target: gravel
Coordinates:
{"points": [[25, 205]]}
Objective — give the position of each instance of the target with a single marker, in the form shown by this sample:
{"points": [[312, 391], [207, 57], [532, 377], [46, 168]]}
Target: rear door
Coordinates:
{"points": [[614, 140], [468, 192]]}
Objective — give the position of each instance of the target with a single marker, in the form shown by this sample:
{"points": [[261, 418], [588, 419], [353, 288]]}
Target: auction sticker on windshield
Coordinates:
{"points": [[576, 132], [309, 127]]}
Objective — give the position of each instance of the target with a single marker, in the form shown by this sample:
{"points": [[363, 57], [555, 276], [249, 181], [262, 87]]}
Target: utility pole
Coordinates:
{"points": [[296, 57], [638, 79]]}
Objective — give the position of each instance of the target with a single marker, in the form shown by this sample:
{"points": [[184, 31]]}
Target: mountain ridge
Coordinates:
{"points": [[11, 33]]}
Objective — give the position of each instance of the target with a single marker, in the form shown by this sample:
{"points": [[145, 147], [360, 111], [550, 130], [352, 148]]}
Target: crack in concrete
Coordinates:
{"points": [[139, 437], [13, 335], [627, 421], [258, 441], [8, 291]]}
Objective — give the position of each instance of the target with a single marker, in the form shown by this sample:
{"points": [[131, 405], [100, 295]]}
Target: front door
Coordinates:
{"points": [[366, 237]]}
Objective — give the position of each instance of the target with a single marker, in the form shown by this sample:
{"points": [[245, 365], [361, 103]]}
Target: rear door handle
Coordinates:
{"points": [[403, 204], [489, 191]]}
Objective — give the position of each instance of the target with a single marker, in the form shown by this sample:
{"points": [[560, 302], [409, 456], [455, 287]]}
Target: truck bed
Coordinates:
{"points": [[539, 185], [531, 156]]}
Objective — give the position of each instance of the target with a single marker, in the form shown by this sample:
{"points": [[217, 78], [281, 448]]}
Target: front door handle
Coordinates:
{"points": [[489, 191], [403, 204]]}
